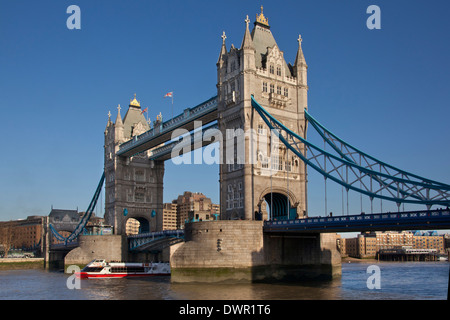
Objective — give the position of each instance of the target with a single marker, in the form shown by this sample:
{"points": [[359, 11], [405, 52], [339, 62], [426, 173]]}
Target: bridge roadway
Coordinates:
{"points": [[205, 112], [411, 220]]}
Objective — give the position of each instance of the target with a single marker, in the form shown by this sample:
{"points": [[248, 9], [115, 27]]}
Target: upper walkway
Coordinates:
{"points": [[205, 112]]}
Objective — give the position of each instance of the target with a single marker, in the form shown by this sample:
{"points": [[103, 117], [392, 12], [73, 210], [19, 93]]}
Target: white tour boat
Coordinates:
{"points": [[99, 268]]}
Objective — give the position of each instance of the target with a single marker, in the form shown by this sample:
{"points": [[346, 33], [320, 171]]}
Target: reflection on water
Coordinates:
{"points": [[407, 280]]}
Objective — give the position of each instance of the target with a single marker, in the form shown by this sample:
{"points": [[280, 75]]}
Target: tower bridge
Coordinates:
{"points": [[262, 101]]}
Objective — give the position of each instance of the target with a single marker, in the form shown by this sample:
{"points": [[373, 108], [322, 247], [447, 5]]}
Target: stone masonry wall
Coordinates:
{"points": [[239, 250], [227, 243], [108, 247]]}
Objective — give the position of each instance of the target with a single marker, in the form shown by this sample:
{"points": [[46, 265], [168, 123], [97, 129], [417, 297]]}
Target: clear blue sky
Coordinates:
{"points": [[385, 91]]}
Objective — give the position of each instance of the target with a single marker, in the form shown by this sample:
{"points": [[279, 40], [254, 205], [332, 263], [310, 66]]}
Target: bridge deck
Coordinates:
{"points": [[413, 220], [206, 112], [190, 143]]}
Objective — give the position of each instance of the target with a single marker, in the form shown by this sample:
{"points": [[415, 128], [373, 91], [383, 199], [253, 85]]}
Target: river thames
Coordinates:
{"points": [[396, 281]]}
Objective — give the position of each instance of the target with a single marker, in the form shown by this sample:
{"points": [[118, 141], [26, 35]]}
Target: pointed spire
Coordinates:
{"points": [[300, 67], [223, 50], [247, 42], [119, 127], [109, 123], [300, 58], [109, 119], [119, 118]]}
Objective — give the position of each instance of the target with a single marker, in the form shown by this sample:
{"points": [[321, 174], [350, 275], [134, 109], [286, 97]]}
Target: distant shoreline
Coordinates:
{"points": [[351, 259], [21, 263]]}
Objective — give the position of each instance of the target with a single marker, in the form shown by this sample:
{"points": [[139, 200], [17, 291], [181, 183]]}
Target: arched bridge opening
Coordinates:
{"points": [[279, 206], [137, 225]]}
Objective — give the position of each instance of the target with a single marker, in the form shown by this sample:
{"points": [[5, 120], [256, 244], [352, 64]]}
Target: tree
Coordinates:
{"points": [[6, 236]]}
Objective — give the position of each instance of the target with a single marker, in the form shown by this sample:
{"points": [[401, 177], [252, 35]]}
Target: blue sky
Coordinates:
{"points": [[385, 91]]}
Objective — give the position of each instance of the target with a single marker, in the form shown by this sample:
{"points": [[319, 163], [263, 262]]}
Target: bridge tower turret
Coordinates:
{"points": [[260, 175], [133, 185]]}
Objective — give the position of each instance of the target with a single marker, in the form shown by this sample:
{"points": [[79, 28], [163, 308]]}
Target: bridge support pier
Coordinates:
{"points": [[227, 250], [300, 256], [108, 247]]}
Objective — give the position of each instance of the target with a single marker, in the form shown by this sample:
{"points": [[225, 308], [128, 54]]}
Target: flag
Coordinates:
{"points": [[169, 94], [145, 110]]}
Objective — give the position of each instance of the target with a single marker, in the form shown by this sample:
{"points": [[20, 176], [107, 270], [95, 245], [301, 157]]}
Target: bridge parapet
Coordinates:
{"points": [[142, 241], [426, 219]]}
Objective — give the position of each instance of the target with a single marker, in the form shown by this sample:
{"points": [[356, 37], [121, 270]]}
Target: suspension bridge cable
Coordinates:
{"points": [[84, 220], [400, 186]]}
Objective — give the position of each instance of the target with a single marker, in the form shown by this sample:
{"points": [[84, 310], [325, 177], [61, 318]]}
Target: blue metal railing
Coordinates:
{"points": [[411, 220], [189, 115], [142, 239]]}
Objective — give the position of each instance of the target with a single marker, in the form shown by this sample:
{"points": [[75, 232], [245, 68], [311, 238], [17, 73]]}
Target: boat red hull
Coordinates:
{"points": [[88, 275]]}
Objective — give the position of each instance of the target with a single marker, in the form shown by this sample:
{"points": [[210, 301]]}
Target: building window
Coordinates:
{"points": [[277, 163], [261, 129], [278, 90], [278, 71], [271, 69], [272, 88], [286, 92], [264, 86], [139, 195], [233, 66], [288, 166], [139, 176]]}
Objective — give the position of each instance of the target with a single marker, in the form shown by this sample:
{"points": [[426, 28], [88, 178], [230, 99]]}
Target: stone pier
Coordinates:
{"points": [[108, 247], [230, 250]]}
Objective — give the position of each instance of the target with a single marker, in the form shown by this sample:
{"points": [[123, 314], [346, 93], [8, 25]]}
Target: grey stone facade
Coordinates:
{"points": [[256, 180], [133, 185]]}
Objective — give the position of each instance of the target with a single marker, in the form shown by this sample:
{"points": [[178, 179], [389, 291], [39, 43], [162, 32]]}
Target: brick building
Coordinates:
{"points": [[366, 245]]}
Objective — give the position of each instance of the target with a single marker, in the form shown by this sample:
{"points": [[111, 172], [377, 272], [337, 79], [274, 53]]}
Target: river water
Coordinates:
{"points": [[395, 281]]}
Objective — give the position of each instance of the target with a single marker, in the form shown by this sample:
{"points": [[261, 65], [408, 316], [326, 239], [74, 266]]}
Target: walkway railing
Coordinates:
{"points": [[426, 219], [144, 239], [188, 116]]}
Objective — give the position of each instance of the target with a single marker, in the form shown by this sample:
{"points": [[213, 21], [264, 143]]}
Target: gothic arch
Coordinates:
{"points": [[276, 198], [144, 223]]}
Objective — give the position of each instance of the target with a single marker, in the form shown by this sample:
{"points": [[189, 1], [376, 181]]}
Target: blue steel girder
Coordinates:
{"points": [[164, 238], [206, 112], [84, 220], [412, 220], [186, 144], [365, 175]]}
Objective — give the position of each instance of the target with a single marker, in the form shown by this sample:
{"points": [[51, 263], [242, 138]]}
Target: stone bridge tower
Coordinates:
{"points": [[133, 185], [262, 175]]}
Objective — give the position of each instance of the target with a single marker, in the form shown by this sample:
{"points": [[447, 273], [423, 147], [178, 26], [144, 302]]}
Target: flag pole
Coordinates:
{"points": [[172, 106]]}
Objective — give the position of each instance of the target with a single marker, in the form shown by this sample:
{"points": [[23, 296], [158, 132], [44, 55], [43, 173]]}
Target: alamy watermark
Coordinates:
{"points": [[74, 20], [374, 280], [236, 147], [374, 20], [73, 282]]}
